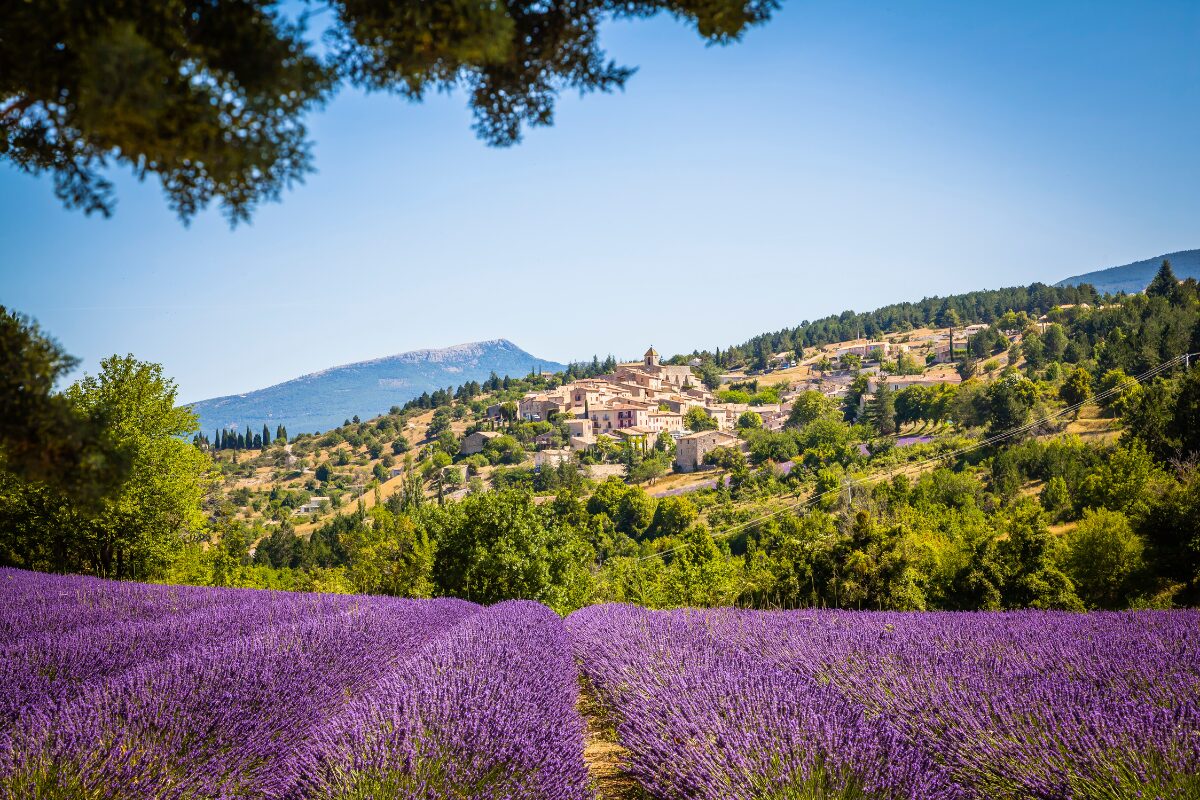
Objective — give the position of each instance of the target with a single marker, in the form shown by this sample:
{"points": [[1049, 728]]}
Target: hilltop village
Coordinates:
{"points": [[667, 425], [977, 451], [641, 401]]}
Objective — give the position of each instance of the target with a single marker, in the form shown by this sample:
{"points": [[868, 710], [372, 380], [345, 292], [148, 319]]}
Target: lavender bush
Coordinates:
{"points": [[487, 711], [223, 694], [740, 704]]}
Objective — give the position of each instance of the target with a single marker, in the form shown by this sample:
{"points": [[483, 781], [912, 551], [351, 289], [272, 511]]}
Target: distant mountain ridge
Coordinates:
{"points": [[324, 399], [1133, 278]]}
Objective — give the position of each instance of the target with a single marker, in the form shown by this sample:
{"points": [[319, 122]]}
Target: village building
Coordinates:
{"points": [[901, 382], [659, 420], [475, 442], [618, 415], [580, 426], [677, 375], [314, 504], [549, 459], [863, 349], [775, 417], [691, 449], [640, 436], [541, 406]]}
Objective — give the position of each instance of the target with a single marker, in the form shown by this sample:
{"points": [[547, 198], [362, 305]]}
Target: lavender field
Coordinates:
{"points": [[120, 690], [112, 690], [751, 704]]}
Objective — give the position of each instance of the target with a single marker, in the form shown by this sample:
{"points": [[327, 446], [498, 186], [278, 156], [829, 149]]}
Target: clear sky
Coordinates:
{"points": [[846, 155]]}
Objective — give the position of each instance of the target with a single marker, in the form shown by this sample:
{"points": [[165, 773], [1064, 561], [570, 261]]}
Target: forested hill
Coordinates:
{"points": [[1133, 278], [325, 399], [981, 306]]}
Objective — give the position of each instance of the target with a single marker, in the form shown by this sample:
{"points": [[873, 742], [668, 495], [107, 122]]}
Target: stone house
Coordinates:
{"points": [[548, 459], [541, 406], [691, 449], [475, 442]]}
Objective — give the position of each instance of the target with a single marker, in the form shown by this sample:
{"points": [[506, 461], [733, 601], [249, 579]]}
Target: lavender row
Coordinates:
{"points": [[735, 704], [220, 694], [38, 604], [227, 717], [486, 711], [46, 669]]}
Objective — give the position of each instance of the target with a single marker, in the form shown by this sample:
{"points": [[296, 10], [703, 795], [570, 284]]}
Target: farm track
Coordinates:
{"points": [[603, 754]]}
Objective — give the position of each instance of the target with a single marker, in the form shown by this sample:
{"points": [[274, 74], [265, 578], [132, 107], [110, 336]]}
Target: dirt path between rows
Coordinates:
{"points": [[603, 754]]}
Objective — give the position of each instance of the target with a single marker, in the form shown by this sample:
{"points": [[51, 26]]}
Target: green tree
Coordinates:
{"points": [[1171, 529], [393, 556], [673, 516], [881, 410], [139, 528], [1032, 578], [947, 317], [282, 549], [648, 468], [1007, 403], [1077, 387], [1149, 412], [1164, 283], [700, 574], [1113, 391], [1034, 350], [448, 443], [499, 546], [210, 98], [808, 406], [1056, 497], [749, 420], [45, 438], [906, 364], [1184, 427], [697, 419], [607, 498], [665, 444], [1054, 342], [1104, 556], [1122, 482], [635, 513], [710, 375]]}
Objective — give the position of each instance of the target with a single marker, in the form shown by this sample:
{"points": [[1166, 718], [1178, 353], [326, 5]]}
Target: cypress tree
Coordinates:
{"points": [[882, 409], [266, 436], [284, 434], [241, 442]]}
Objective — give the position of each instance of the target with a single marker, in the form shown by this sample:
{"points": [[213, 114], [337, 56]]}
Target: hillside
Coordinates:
{"points": [[1133, 278], [323, 400]]}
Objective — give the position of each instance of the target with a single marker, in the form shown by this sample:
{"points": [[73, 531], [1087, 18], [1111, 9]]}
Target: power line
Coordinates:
{"points": [[1163, 367]]}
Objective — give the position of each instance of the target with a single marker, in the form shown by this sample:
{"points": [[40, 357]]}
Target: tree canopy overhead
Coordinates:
{"points": [[209, 96]]}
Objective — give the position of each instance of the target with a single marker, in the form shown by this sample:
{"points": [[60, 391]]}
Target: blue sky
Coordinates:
{"points": [[846, 155]]}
